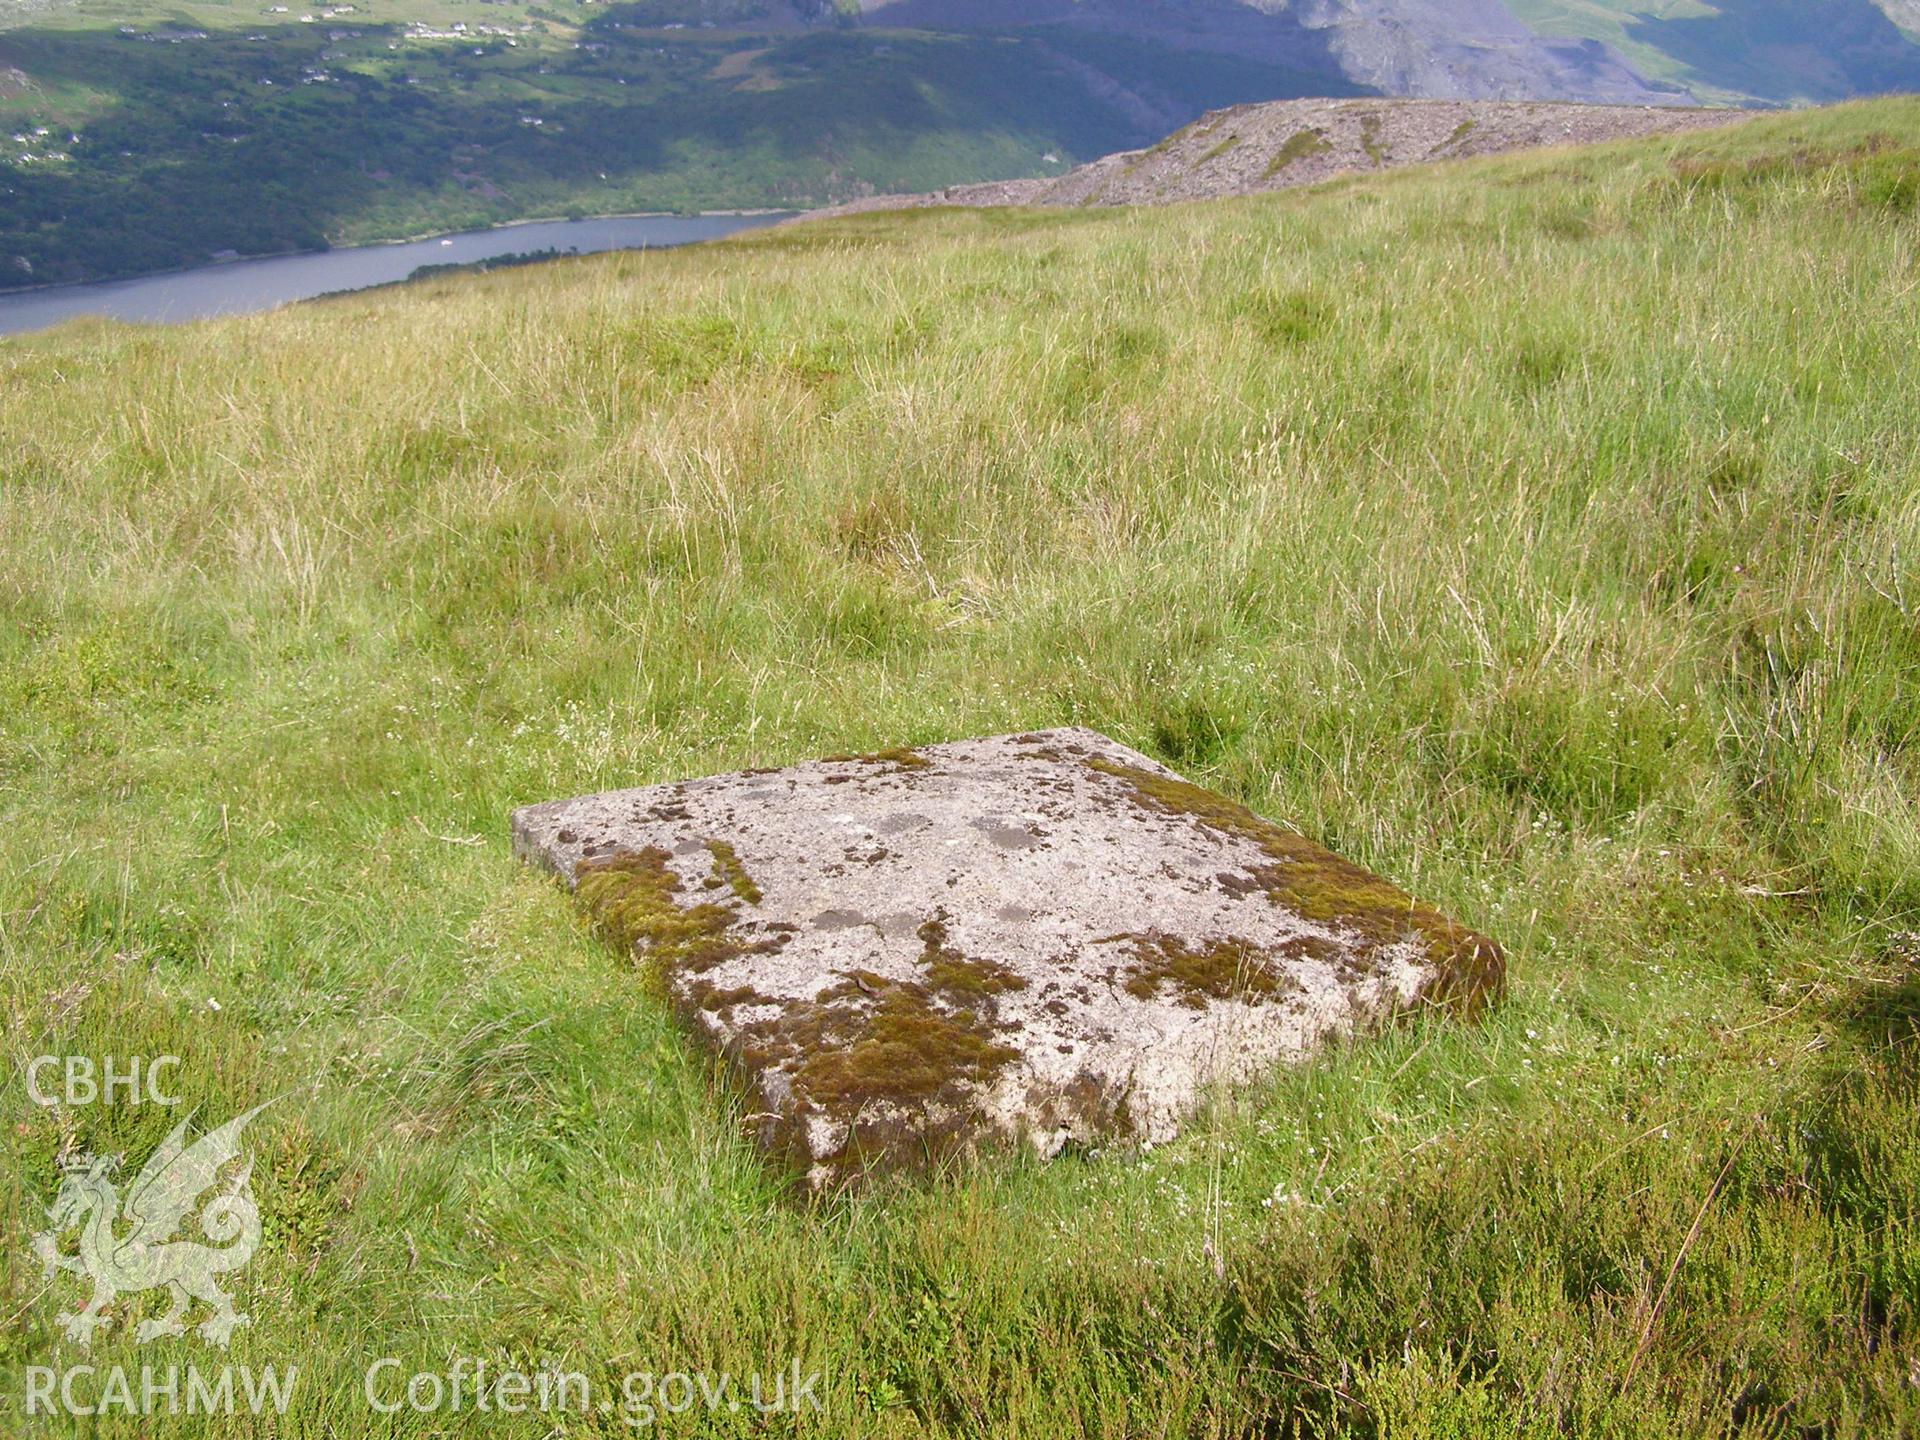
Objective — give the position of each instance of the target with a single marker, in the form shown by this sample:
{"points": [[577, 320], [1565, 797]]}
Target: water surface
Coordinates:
{"points": [[243, 285]]}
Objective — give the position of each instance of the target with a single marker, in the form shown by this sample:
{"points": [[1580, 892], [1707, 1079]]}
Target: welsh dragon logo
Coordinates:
{"points": [[146, 1254]]}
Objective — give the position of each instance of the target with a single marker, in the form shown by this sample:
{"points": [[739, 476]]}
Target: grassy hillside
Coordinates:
{"points": [[1540, 531]]}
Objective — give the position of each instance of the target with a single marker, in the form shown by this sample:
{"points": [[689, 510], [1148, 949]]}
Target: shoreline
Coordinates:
{"points": [[58, 285]]}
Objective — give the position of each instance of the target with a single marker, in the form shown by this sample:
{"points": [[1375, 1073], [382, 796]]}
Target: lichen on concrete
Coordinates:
{"points": [[909, 956]]}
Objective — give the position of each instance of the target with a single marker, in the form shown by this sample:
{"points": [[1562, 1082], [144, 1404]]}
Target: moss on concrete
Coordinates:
{"points": [[1468, 969], [959, 976], [908, 1050], [631, 898], [896, 759], [727, 868], [896, 1064], [1230, 969], [708, 996]]}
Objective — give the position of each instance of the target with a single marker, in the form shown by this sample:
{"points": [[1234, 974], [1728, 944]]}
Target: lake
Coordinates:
{"points": [[242, 285]]}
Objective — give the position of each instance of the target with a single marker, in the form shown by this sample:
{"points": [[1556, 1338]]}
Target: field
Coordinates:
{"points": [[1539, 531]]}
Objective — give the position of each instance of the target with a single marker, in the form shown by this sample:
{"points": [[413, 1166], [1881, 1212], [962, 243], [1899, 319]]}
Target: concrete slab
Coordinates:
{"points": [[1043, 939]]}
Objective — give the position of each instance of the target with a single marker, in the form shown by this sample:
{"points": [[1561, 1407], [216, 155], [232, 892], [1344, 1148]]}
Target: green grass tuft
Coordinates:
{"points": [[1301, 145]]}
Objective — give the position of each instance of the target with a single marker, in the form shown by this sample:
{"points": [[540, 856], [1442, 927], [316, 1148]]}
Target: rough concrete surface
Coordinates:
{"points": [[1045, 939]]}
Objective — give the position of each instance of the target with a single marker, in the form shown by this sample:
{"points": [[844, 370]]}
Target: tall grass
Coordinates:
{"points": [[1540, 532]]}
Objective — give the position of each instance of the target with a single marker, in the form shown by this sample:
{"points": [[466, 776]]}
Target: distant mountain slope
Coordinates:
{"points": [[1606, 51], [1454, 49], [1253, 148], [1774, 51], [1904, 13]]}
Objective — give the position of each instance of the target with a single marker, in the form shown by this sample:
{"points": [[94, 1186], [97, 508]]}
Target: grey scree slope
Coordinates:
{"points": [[1045, 938]]}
